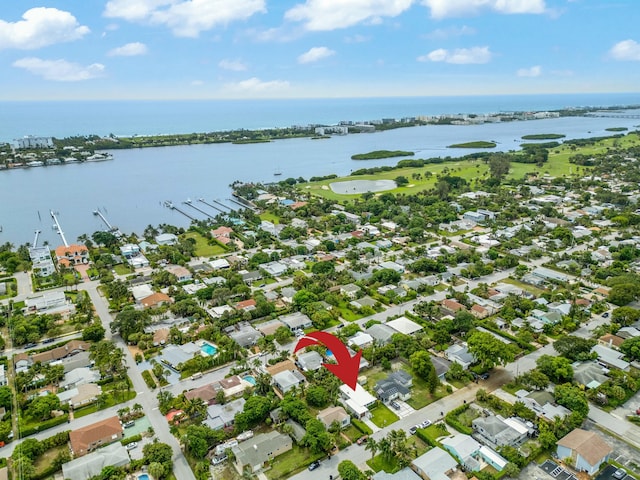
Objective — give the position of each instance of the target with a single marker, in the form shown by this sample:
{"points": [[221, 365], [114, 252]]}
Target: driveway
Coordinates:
{"points": [[405, 409]]}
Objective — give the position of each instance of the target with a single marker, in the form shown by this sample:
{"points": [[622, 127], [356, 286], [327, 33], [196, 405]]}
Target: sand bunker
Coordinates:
{"points": [[353, 187]]}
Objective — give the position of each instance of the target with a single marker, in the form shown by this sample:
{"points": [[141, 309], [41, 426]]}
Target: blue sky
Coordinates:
{"points": [[183, 49]]}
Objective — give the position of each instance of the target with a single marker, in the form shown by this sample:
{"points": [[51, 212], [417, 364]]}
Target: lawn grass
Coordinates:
{"points": [[44, 461], [556, 166], [270, 217], [203, 248], [382, 417], [374, 375], [109, 401], [524, 286], [352, 432], [348, 314], [291, 462], [434, 431], [378, 463], [420, 395], [122, 269]]}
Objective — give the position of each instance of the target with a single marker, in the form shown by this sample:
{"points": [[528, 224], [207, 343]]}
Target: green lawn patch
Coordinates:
{"points": [[420, 395], [382, 417], [44, 462], [378, 463], [377, 154], [270, 217], [524, 286], [477, 144], [109, 400], [352, 432], [204, 246], [348, 314], [543, 136], [122, 269], [291, 462]]}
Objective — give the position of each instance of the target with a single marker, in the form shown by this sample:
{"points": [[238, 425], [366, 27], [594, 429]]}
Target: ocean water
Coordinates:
{"points": [[124, 118], [131, 189]]}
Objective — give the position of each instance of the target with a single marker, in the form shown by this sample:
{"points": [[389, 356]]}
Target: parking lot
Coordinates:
{"points": [[607, 474]]}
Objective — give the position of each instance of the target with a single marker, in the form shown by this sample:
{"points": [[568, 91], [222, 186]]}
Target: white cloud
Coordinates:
{"points": [[459, 56], [334, 14], [40, 27], [357, 38], [314, 54], [60, 70], [185, 18], [628, 50], [459, 8], [534, 71], [233, 65], [255, 85], [443, 33], [129, 50]]}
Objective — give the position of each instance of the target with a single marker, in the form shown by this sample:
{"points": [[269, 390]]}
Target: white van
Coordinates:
{"points": [[196, 376]]}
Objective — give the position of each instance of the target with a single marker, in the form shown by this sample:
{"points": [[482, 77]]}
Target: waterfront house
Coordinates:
{"points": [[222, 234], [72, 255], [166, 239]]}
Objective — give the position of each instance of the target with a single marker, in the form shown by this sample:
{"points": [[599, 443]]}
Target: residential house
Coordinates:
{"points": [[222, 234], [442, 366], [350, 290], [48, 301], [252, 455], [357, 401], [166, 239], [219, 264], [206, 393], [361, 340], [381, 333], [245, 335], [436, 464], [404, 325], [334, 414], [156, 300], [587, 450], [181, 273], [459, 353], [589, 374], [223, 416], [79, 376], [396, 385], [452, 306], [542, 402], [309, 361], [246, 305], [233, 386], [288, 379], [72, 255], [501, 432], [296, 321], [287, 294], [464, 448], [91, 465], [610, 357], [23, 361], [86, 439], [479, 311], [79, 396]]}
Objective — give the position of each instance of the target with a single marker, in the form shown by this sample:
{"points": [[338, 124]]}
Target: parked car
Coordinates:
{"points": [[414, 429], [30, 345], [218, 460], [638, 411], [48, 340], [425, 424], [484, 376], [313, 465], [132, 445], [395, 405], [362, 439], [619, 474], [605, 315], [129, 424]]}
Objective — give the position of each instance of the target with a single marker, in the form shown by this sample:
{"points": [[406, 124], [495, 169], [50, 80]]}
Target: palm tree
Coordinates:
{"points": [[372, 446], [384, 445]]}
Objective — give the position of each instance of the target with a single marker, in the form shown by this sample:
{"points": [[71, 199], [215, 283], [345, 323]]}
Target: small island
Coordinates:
{"points": [[543, 136], [616, 129], [377, 154], [478, 144]]}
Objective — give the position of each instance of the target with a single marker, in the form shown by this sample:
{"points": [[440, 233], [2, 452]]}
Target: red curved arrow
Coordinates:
{"points": [[347, 367]]}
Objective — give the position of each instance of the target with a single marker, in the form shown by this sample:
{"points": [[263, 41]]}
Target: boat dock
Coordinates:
{"points": [[190, 203], [223, 205], [58, 228], [202, 200], [111, 228], [170, 205], [243, 205]]}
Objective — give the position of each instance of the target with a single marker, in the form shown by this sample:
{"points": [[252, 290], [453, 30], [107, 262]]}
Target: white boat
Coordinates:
{"points": [[99, 157]]}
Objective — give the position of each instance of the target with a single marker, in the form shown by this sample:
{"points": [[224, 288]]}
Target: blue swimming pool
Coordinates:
{"points": [[208, 349], [250, 378], [143, 476]]}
